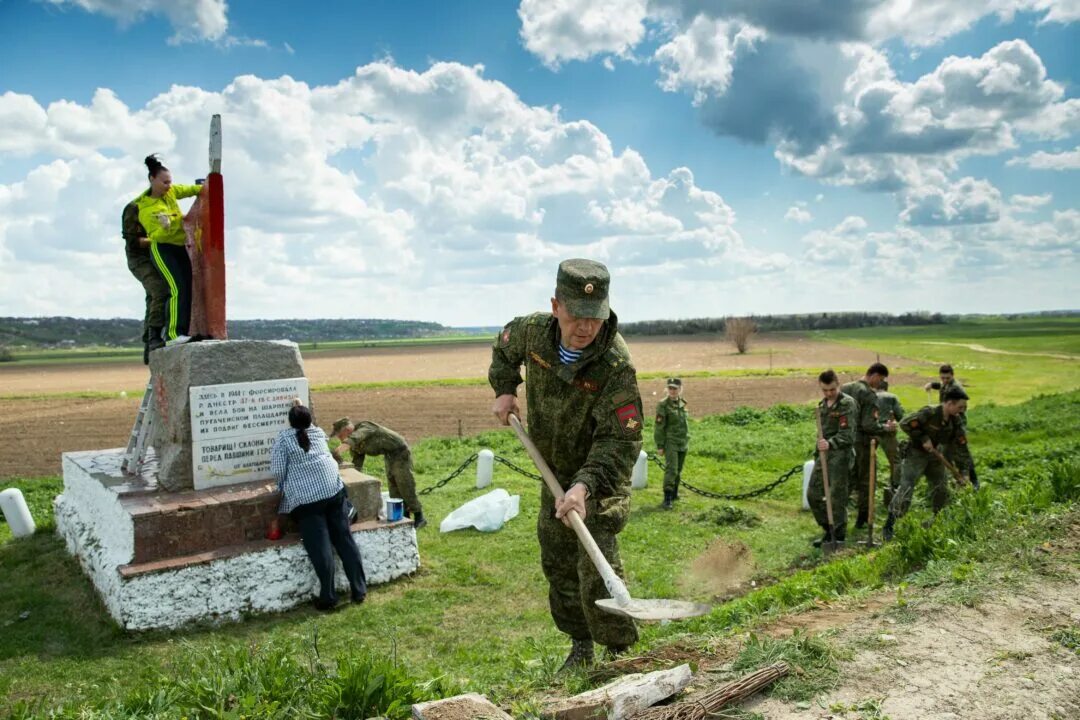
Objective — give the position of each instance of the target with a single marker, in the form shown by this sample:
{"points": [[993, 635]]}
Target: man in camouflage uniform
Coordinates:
{"points": [[672, 436], [947, 379], [889, 407], [370, 438], [864, 392], [339, 433], [141, 264], [584, 413], [936, 427], [838, 418]]}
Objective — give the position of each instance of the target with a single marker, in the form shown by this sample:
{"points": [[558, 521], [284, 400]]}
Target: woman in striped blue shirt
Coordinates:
{"points": [[314, 496]]}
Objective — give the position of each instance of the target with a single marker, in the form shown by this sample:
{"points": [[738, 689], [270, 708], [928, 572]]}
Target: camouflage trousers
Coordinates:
{"points": [[839, 469], [142, 267], [400, 481], [674, 459], [574, 584], [916, 464], [859, 484], [889, 443]]}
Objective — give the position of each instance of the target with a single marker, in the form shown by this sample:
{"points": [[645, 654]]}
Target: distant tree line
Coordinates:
{"points": [[48, 332], [774, 323]]}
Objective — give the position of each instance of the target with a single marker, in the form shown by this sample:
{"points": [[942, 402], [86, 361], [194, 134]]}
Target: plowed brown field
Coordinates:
{"points": [[37, 430]]}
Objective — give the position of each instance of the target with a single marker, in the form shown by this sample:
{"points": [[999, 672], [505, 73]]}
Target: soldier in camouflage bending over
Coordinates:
{"points": [[585, 418]]}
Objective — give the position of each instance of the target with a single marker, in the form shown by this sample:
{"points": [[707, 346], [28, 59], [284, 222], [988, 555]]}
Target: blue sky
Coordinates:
{"points": [[435, 160]]}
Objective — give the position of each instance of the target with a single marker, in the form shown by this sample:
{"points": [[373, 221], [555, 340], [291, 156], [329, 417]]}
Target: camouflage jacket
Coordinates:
{"points": [[889, 406], [865, 397], [950, 436], [672, 427], [838, 422], [370, 438], [943, 388], [131, 229], [585, 417]]}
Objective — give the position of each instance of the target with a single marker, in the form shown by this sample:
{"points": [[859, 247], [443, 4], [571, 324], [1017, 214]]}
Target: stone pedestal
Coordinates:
{"points": [[175, 370], [164, 559]]}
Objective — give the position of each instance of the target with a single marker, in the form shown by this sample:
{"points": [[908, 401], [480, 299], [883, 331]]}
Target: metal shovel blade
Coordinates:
{"points": [[654, 609]]}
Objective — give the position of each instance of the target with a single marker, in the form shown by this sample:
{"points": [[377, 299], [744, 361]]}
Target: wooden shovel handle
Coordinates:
{"points": [[824, 455], [612, 581]]}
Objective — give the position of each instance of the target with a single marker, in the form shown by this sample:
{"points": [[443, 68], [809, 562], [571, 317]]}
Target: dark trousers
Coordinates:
{"points": [[173, 263], [324, 524], [674, 460]]}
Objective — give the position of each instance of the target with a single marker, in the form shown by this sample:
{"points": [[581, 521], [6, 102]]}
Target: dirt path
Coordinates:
{"points": [[938, 659], [993, 351], [46, 428]]}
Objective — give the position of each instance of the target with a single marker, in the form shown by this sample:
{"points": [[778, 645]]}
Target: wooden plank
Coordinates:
{"points": [[622, 698]]}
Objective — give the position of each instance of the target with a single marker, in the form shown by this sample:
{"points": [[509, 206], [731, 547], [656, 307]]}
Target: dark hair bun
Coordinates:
{"points": [[153, 165]]}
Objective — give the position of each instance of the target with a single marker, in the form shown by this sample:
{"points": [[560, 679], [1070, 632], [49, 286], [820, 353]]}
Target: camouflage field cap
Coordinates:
{"points": [[582, 286], [674, 382], [340, 424]]}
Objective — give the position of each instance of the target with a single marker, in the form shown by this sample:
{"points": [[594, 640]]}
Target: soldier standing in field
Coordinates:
{"points": [[368, 438], [864, 392], [933, 430], [672, 436], [585, 418], [947, 380], [839, 415], [889, 407]]}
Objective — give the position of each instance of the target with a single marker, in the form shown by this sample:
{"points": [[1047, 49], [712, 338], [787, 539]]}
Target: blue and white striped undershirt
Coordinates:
{"points": [[568, 357]]}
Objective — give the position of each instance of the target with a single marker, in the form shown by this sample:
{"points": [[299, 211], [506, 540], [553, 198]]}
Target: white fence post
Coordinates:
{"points": [[485, 465], [640, 477], [16, 513]]}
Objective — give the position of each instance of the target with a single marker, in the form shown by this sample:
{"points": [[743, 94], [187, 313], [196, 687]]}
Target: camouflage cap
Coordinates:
{"points": [[674, 382], [340, 424], [582, 286]]}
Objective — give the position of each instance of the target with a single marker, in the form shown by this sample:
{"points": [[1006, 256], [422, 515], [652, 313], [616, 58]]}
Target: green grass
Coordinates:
{"points": [[475, 616], [988, 377]]}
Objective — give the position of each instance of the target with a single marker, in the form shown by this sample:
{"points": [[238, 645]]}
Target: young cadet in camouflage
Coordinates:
{"points": [[671, 434], [584, 413], [864, 392], [933, 427], [838, 417], [141, 264], [947, 379], [889, 408], [370, 438]]}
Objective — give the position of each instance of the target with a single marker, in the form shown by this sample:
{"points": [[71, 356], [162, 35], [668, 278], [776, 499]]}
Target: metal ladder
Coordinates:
{"points": [[135, 453]]}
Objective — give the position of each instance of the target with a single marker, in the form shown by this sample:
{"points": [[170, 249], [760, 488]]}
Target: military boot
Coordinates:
{"points": [[418, 520], [887, 531], [581, 655], [860, 521], [155, 338], [667, 500]]}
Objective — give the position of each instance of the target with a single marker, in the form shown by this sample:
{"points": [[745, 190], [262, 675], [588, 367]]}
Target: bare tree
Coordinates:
{"points": [[738, 331]]}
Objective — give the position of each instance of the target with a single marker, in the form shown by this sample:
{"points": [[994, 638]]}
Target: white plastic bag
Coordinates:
{"points": [[487, 513]]}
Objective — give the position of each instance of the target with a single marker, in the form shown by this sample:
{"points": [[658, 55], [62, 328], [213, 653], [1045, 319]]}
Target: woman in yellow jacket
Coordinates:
{"points": [[160, 215]]}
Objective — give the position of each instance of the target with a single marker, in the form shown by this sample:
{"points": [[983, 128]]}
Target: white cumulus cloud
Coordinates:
{"points": [[1042, 160]]}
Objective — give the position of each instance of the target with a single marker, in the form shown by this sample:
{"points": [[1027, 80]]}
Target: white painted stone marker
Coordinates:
{"points": [[485, 466], [640, 477], [16, 513]]}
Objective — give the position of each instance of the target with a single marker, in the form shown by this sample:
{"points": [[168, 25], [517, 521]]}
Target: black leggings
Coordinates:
{"points": [[324, 523], [173, 263]]}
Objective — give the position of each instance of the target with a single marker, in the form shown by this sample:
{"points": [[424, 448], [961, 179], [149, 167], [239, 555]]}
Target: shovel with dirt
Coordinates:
{"points": [[620, 602]]}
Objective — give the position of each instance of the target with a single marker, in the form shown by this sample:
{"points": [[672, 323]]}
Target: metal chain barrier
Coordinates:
{"points": [[451, 476], [735, 496], [461, 468]]}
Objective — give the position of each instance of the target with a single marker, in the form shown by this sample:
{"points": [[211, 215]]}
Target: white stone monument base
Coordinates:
{"points": [[94, 516]]}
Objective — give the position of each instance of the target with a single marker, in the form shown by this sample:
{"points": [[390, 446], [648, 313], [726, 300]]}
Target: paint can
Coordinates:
{"points": [[395, 509]]}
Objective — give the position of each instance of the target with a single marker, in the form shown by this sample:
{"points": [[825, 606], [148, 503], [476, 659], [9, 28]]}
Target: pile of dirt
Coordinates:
{"points": [[721, 571]]}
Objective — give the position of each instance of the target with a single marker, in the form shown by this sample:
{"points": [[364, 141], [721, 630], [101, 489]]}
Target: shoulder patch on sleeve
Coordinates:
{"points": [[628, 419], [504, 337], [843, 421], [659, 419]]}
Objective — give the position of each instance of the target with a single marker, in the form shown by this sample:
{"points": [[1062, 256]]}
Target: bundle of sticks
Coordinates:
{"points": [[728, 694]]}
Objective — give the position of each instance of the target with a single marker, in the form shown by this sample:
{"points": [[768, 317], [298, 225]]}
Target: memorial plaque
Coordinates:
{"points": [[233, 427]]}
